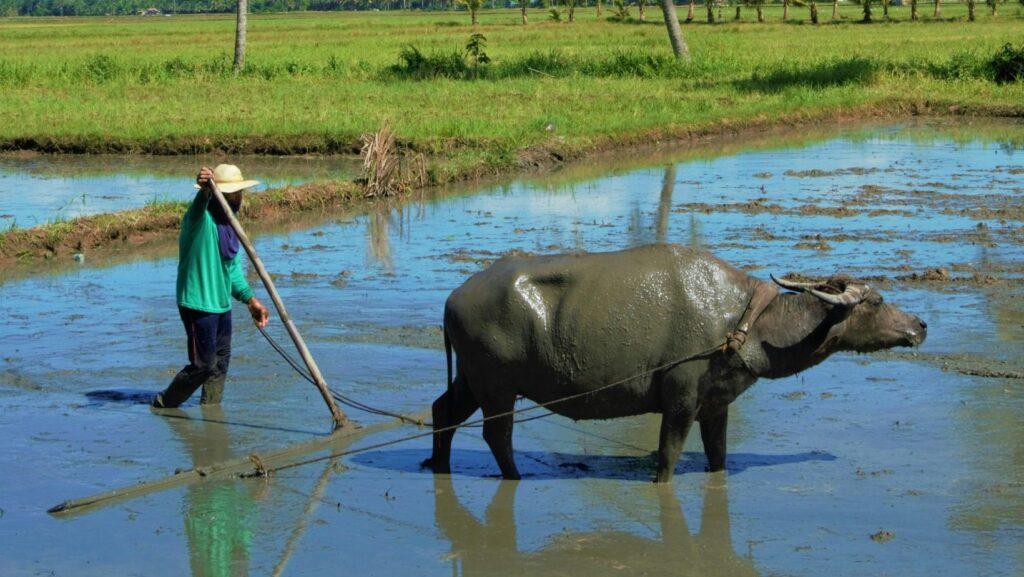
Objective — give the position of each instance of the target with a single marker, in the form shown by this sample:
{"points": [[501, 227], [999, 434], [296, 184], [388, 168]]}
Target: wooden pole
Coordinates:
{"points": [[340, 420], [232, 468]]}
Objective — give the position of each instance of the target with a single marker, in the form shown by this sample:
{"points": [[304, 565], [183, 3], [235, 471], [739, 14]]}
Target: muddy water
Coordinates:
{"points": [[910, 448], [35, 189]]}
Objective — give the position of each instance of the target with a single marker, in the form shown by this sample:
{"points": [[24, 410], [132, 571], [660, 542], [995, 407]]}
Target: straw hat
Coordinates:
{"points": [[229, 179]]}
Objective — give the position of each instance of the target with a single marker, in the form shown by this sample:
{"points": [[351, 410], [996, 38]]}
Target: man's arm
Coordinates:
{"points": [[241, 291], [764, 293], [202, 198]]}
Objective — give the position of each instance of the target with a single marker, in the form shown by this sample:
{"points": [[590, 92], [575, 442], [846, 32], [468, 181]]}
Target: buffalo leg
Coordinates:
{"points": [[450, 409], [713, 422], [674, 428], [498, 434]]}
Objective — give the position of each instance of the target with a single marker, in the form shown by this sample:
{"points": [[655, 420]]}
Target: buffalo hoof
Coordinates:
{"points": [[429, 464]]}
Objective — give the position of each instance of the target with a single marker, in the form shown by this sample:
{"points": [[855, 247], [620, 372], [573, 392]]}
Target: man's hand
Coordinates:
{"points": [[204, 178], [259, 313]]}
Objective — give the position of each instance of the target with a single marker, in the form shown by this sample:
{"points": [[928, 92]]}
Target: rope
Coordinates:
{"points": [[352, 403], [702, 354], [347, 401]]}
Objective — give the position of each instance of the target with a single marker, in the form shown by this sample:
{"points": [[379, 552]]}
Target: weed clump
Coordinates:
{"points": [[836, 72]]}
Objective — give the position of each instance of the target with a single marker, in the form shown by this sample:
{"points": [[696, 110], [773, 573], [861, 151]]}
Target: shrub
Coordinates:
{"points": [[1007, 65]]}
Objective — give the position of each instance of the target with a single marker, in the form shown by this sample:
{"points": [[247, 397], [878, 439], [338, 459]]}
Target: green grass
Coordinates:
{"points": [[318, 80]]}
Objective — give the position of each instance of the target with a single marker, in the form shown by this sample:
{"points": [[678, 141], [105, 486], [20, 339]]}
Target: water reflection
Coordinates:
{"points": [[668, 185], [489, 547], [219, 515], [378, 241]]}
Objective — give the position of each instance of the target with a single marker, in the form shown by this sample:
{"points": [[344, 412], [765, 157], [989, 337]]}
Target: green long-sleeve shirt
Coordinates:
{"points": [[206, 282]]}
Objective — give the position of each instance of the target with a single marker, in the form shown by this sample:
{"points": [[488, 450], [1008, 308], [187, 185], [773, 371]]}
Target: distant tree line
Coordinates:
{"points": [[122, 7]]}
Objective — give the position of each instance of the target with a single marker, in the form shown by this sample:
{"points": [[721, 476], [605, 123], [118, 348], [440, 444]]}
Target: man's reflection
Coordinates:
{"points": [[218, 514], [489, 547]]}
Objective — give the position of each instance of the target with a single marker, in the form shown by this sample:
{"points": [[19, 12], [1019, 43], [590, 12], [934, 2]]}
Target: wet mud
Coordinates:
{"points": [[897, 463]]}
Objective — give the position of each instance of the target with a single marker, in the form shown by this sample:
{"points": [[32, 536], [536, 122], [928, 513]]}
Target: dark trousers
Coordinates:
{"points": [[209, 352]]}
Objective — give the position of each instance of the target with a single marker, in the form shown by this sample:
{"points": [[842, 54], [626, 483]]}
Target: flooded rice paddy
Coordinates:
{"points": [[40, 188], [905, 463]]}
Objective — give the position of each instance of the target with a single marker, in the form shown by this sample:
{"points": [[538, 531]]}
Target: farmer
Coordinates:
{"points": [[209, 275]]}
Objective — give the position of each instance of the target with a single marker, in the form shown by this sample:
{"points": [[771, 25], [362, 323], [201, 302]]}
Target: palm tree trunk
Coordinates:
{"points": [[995, 7], [675, 33], [240, 26], [710, 4], [572, 12], [640, 6], [689, 12], [938, 9], [913, 10], [885, 9], [472, 17], [785, 10], [867, 10], [522, 8], [970, 10], [598, 8], [737, 16], [760, 14], [835, 9], [814, 12]]}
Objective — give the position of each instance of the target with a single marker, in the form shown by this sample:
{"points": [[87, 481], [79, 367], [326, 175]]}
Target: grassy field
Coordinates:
{"points": [[318, 80]]}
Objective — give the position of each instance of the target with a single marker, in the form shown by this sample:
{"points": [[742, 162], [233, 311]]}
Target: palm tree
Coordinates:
{"points": [[240, 26], [813, 6], [689, 12], [711, 10], [640, 6], [913, 10], [885, 9], [675, 33], [759, 7], [472, 6], [867, 10], [785, 10], [523, 4], [994, 5], [938, 9], [835, 9], [571, 6], [970, 10]]}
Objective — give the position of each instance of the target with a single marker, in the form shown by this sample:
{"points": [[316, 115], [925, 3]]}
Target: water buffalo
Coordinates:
{"points": [[548, 327]]}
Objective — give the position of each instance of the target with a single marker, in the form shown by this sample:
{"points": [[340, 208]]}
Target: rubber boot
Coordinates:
{"points": [[213, 391], [181, 388]]}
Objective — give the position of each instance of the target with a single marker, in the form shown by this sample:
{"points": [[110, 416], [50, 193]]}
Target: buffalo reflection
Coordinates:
{"points": [[489, 547]]}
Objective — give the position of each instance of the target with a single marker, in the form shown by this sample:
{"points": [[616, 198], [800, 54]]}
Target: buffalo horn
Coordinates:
{"points": [[851, 295]]}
